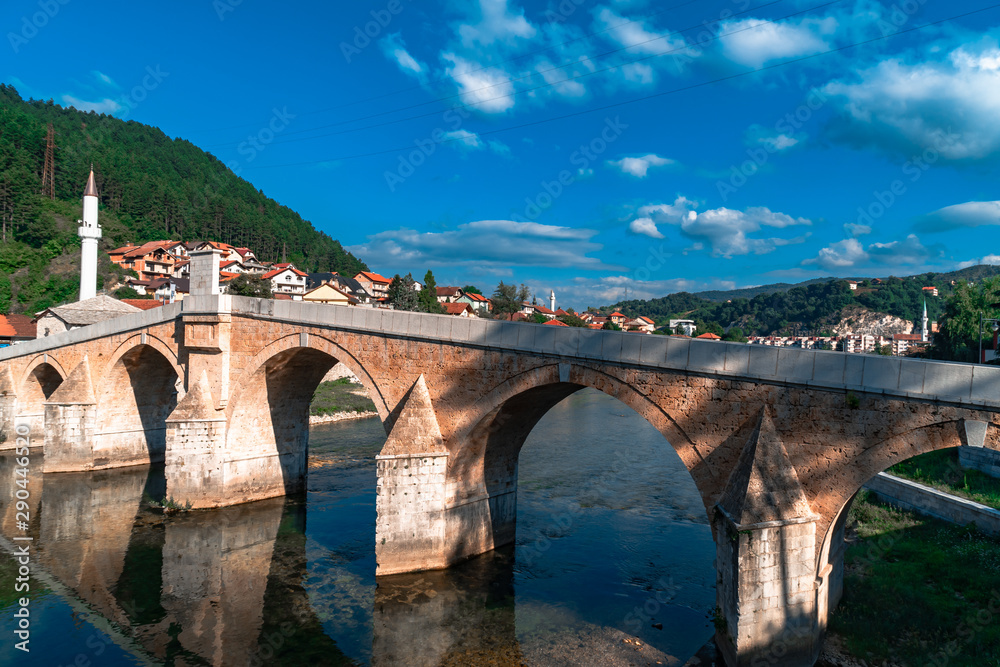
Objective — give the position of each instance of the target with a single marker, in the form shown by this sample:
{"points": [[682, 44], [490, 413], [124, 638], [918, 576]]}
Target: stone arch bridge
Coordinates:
{"points": [[778, 441]]}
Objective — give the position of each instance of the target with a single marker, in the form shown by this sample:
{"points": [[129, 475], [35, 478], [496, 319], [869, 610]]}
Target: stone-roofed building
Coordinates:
{"points": [[74, 315]]}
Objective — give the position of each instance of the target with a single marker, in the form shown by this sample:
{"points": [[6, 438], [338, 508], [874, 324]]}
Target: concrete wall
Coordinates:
{"points": [[981, 459], [923, 499]]}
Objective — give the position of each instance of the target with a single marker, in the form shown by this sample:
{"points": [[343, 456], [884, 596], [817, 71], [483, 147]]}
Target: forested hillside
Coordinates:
{"points": [[151, 187], [808, 309]]}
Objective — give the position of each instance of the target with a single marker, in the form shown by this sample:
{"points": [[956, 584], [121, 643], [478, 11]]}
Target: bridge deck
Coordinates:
{"points": [[968, 385]]}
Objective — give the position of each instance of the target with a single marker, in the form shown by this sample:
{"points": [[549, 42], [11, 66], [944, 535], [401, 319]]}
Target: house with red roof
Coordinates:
{"points": [[458, 309], [287, 280], [643, 324], [556, 323], [448, 294], [373, 283], [16, 328], [478, 302], [150, 260], [709, 336], [618, 318]]}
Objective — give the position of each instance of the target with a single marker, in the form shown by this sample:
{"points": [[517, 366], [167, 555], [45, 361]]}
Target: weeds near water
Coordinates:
{"points": [[169, 505]]}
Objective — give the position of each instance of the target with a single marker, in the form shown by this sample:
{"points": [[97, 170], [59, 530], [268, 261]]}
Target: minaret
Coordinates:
{"points": [[923, 330], [552, 300], [89, 232]]}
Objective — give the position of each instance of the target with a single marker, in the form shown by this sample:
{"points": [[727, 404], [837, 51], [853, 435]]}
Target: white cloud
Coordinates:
{"points": [[488, 90], [855, 229], [646, 227], [849, 253], [949, 104], [497, 23], [754, 42], [490, 245], [107, 105], [988, 259], [395, 49], [639, 166], [637, 36], [464, 139], [104, 78], [726, 232], [839, 255], [773, 140], [969, 214]]}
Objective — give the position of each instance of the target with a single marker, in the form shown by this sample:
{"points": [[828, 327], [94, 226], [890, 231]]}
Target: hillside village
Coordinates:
{"points": [[158, 272]]}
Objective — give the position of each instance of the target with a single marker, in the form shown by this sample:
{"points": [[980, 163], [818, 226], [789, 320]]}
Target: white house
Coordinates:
{"points": [[288, 280]]}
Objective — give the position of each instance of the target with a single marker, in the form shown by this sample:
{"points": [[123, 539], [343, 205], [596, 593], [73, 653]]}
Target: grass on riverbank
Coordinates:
{"points": [[941, 471], [340, 396], [918, 591]]}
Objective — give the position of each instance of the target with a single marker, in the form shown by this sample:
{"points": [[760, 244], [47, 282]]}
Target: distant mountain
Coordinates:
{"points": [[151, 187], [751, 292], [809, 308]]}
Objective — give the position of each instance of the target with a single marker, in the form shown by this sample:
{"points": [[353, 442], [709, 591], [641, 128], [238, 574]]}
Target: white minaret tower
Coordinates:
{"points": [[89, 232], [923, 329], [552, 300]]}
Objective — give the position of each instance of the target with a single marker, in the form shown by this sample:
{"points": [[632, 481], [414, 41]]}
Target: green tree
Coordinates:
{"points": [[611, 326], [428, 295], [402, 294], [129, 293], [471, 289], [735, 334], [507, 299], [537, 318], [884, 350], [572, 321], [958, 337], [247, 284]]}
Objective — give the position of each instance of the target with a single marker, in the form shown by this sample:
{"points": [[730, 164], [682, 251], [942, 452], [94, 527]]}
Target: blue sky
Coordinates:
{"points": [[583, 146]]}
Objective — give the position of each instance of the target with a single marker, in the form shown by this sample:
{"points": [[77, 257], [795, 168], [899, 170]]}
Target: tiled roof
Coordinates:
{"points": [[16, 326], [557, 323], [447, 291], [273, 273], [616, 314], [143, 304], [543, 310], [477, 297], [374, 277], [456, 308], [709, 336]]}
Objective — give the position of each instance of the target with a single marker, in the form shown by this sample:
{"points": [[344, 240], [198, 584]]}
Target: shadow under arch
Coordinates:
{"points": [[880, 457], [139, 388], [269, 409]]}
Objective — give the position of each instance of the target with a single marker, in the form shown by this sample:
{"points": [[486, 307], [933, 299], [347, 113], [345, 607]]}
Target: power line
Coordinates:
{"points": [[532, 89], [642, 98], [640, 19]]}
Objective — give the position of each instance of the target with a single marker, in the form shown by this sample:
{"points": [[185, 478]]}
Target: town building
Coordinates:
{"points": [[16, 328], [287, 280], [327, 293], [80, 314], [374, 284]]}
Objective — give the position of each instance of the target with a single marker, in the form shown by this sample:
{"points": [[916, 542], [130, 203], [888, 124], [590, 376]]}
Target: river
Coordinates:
{"points": [[613, 564]]}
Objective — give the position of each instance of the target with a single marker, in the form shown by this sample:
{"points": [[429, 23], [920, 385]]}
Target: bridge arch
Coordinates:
{"points": [[138, 389], [878, 458], [512, 409], [269, 410]]}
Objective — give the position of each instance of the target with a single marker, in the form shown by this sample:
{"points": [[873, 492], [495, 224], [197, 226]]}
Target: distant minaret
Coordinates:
{"points": [[89, 232], [923, 330], [552, 300]]}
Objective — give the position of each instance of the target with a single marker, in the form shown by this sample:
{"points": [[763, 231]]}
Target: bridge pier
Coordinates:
{"points": [[768, 597], [70, 423], [196, 442]]}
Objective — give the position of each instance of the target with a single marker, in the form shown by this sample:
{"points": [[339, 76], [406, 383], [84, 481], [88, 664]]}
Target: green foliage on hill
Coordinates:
{"points": [[151, 187], [809, 308]]}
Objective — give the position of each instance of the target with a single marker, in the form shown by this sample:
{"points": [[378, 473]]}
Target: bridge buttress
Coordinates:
{"points": [[411, 531], [196, 441], [769, 597], [70, 423], [8, 409]]}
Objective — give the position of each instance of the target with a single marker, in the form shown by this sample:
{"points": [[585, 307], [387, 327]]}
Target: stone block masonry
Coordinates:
{"points": [[777, 442]]}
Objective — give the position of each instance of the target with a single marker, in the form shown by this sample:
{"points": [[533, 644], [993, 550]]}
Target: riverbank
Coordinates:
{"points": [[941, 470], [916, 589], [340, 399]]}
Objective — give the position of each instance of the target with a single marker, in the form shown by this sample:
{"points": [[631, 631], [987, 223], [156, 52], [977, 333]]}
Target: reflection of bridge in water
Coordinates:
{"points": [[227, 587]]}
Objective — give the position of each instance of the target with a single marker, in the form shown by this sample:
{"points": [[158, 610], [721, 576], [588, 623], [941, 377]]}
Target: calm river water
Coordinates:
{"points": [[613, 564]]}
